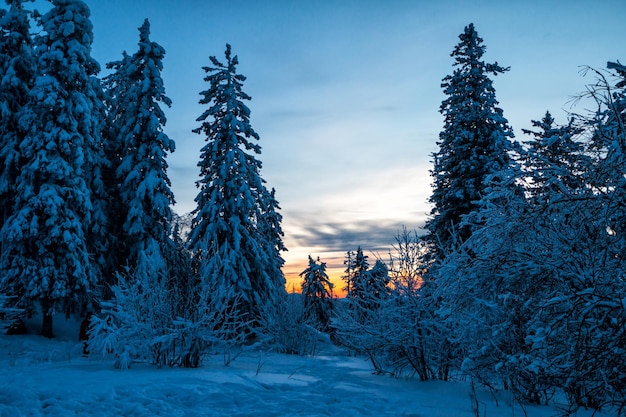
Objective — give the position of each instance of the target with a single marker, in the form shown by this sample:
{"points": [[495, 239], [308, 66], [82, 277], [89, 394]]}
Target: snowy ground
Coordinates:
{"points": [[40, 377]]}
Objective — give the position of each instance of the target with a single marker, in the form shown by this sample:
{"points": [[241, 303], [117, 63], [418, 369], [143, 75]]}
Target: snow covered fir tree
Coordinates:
{"points": [[236, 236], [473, 145], [45, 257], [474, 157], [145, 299], [317, 293], [517, 284]]}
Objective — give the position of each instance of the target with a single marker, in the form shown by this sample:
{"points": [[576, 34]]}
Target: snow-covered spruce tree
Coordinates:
{"points": [[145, 192], [236, 260], [317, 294], [181, 290], [366, 286], [46, 253], [355, 277], [473, 145], [17, 73], [348, 263], [473, 157], [356, 268], [145, 198]]}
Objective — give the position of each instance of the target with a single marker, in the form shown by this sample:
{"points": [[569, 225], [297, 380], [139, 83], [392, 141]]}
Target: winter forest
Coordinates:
{"points": [[516, 282]]}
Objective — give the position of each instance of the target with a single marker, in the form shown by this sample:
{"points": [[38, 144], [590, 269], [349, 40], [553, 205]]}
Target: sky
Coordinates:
{"points": [[346, 95]]}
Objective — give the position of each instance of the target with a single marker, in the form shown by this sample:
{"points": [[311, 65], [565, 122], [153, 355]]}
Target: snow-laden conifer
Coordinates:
{"points": [[146, 304], [145, 192], [229, 239], [473, 145], [356, 267], [376, 285], [365, 287], [47, 253], [317, 294], [474, 160]]}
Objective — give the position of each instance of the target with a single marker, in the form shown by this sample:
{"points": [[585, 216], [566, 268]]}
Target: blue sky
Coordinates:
{"points": [[345, 94]]}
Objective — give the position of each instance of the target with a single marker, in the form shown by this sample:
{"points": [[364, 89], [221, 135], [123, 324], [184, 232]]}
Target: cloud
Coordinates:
{"points": [[373, 235], [330, 241]]}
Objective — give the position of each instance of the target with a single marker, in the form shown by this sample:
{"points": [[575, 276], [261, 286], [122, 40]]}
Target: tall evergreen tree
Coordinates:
{"points": [[229, 238], [473, 146], [145, 193], [473, 161], [47, 258], [145, 197], [356, 273], [317, 292], [17, 73]]}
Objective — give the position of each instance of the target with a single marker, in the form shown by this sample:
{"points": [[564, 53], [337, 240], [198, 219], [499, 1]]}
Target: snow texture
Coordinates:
{"points": [[41, 377]]}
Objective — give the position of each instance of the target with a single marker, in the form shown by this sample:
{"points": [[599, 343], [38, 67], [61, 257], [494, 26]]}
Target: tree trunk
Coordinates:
{"points": [[46, 326]]}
